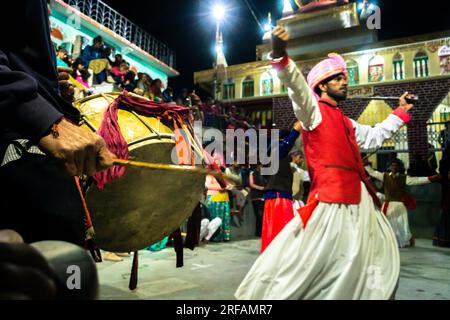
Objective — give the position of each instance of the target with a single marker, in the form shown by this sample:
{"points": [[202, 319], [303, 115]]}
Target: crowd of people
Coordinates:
{"points": [[98, 64]]}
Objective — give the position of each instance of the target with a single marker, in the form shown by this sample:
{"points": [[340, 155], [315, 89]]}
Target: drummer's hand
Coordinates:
{"points": [[280, 39], [403, 104], [24, 272], [82, 152]]}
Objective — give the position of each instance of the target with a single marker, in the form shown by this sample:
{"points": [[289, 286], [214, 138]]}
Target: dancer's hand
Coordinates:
{"points": [[403, 104], [435, 178], [280, 39]]}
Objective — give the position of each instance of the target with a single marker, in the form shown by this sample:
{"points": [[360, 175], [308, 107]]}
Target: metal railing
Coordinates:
{"points": [[438, 134], [113, 20]]}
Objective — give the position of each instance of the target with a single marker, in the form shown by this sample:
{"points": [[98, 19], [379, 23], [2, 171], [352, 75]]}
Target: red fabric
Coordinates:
{"points": [[334, 159], [385, 208], [283, 63], [402, 114], [116, 143], [277, 214], [409, 201], [306, 212], [110, 131]]}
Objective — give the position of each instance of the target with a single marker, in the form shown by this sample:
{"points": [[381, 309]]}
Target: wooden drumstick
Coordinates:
{"points": [[171, 167]]}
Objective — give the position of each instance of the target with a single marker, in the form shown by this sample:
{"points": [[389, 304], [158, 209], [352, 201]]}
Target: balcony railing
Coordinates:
{"points": [[113, 20]]}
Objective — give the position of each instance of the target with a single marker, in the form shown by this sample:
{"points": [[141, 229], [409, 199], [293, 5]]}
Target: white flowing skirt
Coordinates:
{"points": [[397, 215], [345, 252]]}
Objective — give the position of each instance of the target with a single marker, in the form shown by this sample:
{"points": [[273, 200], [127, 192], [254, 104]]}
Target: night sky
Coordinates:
{"points": [[187, 27]]}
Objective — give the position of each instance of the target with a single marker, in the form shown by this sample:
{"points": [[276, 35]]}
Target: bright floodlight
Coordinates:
{"points": [[218, 12]]}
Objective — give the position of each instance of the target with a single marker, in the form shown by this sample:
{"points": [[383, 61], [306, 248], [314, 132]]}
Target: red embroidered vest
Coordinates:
{"points": [[334, 159]]}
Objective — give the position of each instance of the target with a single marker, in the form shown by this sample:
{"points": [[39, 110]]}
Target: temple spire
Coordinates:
{"points": [[221, 61]]}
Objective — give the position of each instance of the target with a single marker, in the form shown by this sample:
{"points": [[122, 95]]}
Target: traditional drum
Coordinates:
{"points": [[143, 206]]}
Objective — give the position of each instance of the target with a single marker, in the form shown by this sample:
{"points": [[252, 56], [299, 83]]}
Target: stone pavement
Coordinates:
{"points": [[214, 271]]}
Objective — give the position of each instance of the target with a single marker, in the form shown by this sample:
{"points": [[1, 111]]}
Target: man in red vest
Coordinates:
{"points": [[340, 246]]}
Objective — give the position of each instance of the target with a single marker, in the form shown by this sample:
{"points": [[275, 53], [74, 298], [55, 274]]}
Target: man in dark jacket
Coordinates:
{"points": [[38, 133]]}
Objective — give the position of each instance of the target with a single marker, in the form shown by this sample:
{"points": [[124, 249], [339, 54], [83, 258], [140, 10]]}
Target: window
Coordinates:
{"points": [[248, 87], [376, 69], [228, 90], [353, 72], [399, 67], [421, 67], [266, 84], [444, 60]]}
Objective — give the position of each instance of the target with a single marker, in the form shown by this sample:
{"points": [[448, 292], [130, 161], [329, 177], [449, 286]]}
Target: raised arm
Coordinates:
{"points": [[417, 181], [371, 138], [374, 174], [305, 104]]}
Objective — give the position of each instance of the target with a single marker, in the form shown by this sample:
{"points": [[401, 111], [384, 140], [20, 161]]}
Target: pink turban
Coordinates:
{"points": [[325, 69]]}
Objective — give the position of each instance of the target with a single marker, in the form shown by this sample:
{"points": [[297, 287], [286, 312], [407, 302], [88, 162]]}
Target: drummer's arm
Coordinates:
{"points": [[21, 103]]}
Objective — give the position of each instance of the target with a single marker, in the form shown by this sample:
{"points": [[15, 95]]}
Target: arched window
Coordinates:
{"points": [[266, 84], [398, 66], [228, 90], [421, 67], [375, 112], [376, 69], [353, 72], [444, 59], [248, 87]]}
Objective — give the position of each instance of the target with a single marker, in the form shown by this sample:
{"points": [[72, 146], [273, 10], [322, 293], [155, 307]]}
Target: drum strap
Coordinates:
{"points": [[88, 220], [89, 243], [178, 246]]}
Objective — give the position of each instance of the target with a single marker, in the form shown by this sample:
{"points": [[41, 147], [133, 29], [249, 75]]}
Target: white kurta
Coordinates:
{"points": [[346, 251], [396, 212]]}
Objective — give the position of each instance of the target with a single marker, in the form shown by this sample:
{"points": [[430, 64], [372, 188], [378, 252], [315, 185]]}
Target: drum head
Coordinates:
{"points": [[144, 206]]}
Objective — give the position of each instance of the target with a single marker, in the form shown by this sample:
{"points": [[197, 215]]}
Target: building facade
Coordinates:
{"points": [[75, 23], [419, 64]]}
